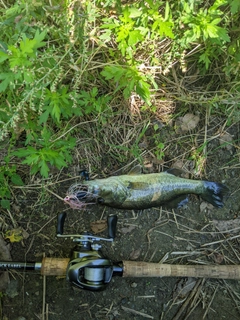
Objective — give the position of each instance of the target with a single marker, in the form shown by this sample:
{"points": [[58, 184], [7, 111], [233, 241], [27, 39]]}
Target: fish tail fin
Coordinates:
{"points": [[214, 193]]}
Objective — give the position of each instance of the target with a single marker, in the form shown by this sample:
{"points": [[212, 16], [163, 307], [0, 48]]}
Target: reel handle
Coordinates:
{"points": [[60, 222], [111, 223], [112, 226]]}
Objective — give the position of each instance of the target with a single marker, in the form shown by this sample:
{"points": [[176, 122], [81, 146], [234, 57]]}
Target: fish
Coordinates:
{"points": [[142, 191]]}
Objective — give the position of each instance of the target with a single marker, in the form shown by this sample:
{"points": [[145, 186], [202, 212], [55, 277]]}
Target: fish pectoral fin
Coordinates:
{"points": [[135, 170], [177, 202], [137, 185]]}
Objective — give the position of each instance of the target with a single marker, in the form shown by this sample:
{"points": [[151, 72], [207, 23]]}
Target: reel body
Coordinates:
{"points": [[88, 269]]}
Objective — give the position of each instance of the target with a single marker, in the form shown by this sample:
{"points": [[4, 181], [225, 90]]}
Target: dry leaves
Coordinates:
{"points": [[231, 226], [128, 229], [134, 255], [183, 287], [187, 122], [205, 207], [226, 141], [98, 226]]}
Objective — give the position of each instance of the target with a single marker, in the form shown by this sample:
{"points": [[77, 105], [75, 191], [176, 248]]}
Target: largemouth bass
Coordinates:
{"points": [[141, 191]]}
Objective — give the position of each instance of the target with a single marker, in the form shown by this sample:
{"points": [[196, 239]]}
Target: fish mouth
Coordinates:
{"points": [[74, 202], [78, 197]]}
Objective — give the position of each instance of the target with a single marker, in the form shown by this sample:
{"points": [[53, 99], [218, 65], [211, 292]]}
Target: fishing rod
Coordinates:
{"points": [[88, 269]]}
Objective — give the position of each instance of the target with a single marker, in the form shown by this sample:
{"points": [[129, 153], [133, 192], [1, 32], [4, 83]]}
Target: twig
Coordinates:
{"points": [[137, 312], [13, 221], [194, 304], [232, 295], [56, 195], [185, 304], [220, 241], [206, 312]]}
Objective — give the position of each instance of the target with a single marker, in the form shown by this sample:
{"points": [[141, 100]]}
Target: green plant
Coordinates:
{"points": [[8, 176], [128, 79], [46, 153]]}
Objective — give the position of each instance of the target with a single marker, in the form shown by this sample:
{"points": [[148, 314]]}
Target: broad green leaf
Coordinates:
{"points": [[205, 59], [44, 169], [38, 39], [5, 204], [3, 56], [44, 117], [223, 34], [210, 31], [134, 12], [234, 6], [134, 37], [59, 162], [16, 179]]}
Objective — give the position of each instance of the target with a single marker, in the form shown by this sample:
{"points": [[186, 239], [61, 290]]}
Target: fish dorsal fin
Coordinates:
{"points": [[138, 185], [135, 170], [175, 171]]}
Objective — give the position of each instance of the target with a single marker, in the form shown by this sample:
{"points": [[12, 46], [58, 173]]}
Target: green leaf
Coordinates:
{"points": [[5, 204], [210, 31], [59, 162], [223, 34], [38, 39], [134, 37], [44, 169], [16, 179], [44, 117], [3, 56], [234, 6], [24, 152], [205, 59], [7, 79], [167, 11], [134, 12], [56, 112]]}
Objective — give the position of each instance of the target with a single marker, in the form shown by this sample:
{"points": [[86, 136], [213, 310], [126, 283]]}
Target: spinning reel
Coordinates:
{"points": [[87, 268]]}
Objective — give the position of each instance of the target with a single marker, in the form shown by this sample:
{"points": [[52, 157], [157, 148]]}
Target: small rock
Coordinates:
{"points": [[134, 285]]}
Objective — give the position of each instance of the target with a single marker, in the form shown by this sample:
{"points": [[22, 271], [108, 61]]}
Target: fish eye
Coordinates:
{"points": [[81, 194]]}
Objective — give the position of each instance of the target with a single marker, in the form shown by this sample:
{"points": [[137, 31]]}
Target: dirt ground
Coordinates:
{"points": [[197, 234]]}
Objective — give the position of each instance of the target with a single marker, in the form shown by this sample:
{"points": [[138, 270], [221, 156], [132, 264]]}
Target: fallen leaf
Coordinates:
{"points": [[230, 226], [14, 235], [125, 230], [218, 258], [135, 254], [98, 226], [183, 287], [226, 141], [205, 206], [188, 122]]}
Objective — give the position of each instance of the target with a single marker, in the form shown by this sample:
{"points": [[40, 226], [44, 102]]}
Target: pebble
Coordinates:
{"points": [[134, 285]]}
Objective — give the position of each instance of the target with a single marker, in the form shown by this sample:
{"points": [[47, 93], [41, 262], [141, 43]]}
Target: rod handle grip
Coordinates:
{"points": [[150, 269], [54, 266]]}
